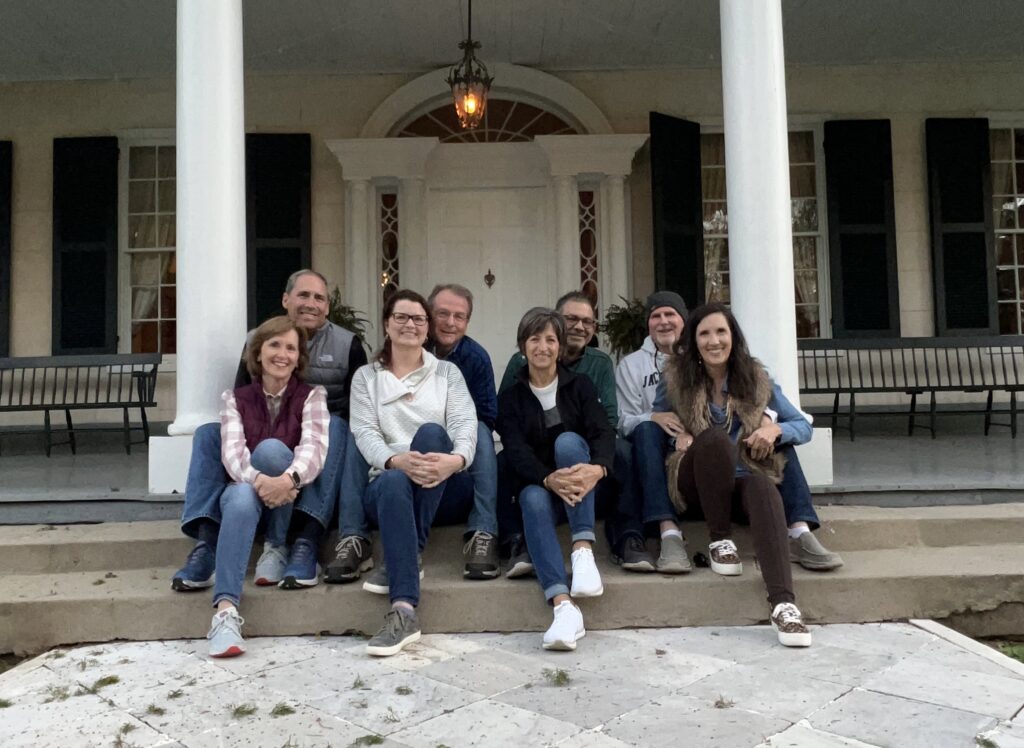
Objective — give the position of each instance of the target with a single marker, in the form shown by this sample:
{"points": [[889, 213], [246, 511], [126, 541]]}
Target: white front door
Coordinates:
{"points": [[503, 231]]}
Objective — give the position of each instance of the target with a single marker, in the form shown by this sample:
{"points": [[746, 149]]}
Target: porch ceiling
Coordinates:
{"points": [[61, 39]]}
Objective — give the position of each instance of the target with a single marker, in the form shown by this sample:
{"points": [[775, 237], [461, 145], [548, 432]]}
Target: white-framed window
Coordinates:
{"points": [[147, 241], [1006, 146], [587, 198], [387, 207], [807, 201]]}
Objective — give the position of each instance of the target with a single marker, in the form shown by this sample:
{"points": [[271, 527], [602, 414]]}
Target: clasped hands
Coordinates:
{"points": [[275, 491], [761, 443], [427, 469], [571, 484]]}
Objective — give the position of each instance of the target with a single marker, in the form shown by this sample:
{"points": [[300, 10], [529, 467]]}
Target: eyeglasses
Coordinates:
{"points": [[417, 319], [572, 320], [457, 316]]}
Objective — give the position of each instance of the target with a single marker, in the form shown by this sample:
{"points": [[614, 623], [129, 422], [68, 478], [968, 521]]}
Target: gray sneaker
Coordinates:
{"points": [[401, 627], [377, 582], [808, 551], [270, 568], [673, 558]]}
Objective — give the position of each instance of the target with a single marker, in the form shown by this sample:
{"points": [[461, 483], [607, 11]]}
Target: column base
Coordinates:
{"points": [[168, 463], [815, 458]]}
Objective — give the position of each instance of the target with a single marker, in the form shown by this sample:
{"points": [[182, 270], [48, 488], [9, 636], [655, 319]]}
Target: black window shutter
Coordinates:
{"points": [[6, 165], [861, 229], [84, 245], [676, 207], [277, 217], [960, 200]]}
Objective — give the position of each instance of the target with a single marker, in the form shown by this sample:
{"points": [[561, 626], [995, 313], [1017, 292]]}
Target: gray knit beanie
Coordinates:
{"points": [[666, 298]]}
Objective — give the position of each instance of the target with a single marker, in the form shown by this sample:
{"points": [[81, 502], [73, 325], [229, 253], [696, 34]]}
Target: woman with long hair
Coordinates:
{"points": [[273, 442], [414, 422], [725, 460], [560, 445]]}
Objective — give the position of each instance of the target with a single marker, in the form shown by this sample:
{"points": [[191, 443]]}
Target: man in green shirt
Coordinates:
{"points": [[623, 528]]}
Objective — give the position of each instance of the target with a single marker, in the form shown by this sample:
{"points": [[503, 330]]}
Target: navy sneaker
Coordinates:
{"points": [[303, 569], [197, 573]]}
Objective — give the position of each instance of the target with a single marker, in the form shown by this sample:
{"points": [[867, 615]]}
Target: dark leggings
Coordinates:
{"points": [[708, 480]]}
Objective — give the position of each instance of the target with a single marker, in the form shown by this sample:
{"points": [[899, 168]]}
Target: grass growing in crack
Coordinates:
{"points": [[366, 740], [403, 690], [723, 703], [556, 677], [243, 710], [177, 693], [358, 683], [281, 710], [390, 716], [106, 680], [98, 582], [156, 711], [57, 654], [127, 727], [57, 693], [4, 703], [119, 742], [984, 742]]}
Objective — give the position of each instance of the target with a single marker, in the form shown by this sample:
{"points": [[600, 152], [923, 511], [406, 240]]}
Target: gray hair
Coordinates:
{"points": [[454, 288], [290, 284], [535, 321], [577, 296]]}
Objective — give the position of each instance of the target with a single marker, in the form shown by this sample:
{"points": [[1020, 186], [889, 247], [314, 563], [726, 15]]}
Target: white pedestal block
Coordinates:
{"points": [[816, 458], [168, 463]]}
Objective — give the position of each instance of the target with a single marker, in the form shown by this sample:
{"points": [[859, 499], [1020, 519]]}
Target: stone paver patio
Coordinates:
{"points": [[906, 685]]}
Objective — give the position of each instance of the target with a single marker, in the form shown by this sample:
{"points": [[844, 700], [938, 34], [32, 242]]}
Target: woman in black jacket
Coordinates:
{"points": [[559, 445]]}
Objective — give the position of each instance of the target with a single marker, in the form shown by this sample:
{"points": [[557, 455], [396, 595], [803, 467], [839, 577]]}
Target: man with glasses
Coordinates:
{"points": [[451, 306], [622, 524]]}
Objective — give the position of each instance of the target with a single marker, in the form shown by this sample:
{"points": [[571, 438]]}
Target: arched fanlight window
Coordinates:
{"points": [[504, 121]]}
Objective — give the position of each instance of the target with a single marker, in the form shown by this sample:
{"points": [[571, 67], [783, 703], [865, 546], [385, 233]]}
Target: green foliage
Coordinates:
{"points": [[243, 710], [156, 711], [281, 710], [347, 316], [366, 740], [557, 677], [1016, 651], [625, 326], [4, 703]]}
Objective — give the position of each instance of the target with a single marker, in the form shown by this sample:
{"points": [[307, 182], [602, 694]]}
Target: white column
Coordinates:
{"points": [[412, 236], [362, 287], [567, 233], [211, 207], [616, 269], [757, 180]]}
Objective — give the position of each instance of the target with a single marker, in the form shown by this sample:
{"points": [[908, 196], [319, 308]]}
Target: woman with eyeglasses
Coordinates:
{"points": [[414, 422]]}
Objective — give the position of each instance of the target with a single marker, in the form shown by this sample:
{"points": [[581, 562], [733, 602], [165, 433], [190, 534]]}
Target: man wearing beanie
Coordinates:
{"points": [[636, 381]]}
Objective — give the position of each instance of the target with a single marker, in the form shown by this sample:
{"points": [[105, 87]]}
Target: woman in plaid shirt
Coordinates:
{"points": [[273, 442]]}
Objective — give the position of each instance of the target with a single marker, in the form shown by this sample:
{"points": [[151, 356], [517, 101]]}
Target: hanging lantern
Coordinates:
{"points": [[469, 81]]}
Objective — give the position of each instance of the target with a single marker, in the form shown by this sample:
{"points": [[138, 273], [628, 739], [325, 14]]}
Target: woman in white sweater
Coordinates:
{"points": [[414, 421]]}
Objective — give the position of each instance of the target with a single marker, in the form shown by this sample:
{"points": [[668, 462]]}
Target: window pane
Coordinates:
{"points": [[718, 287], [805, 252], [1004, 213], [712, 184], [141, 231], [801, 147], [715, 219], [167, 302], [169, 267], [166, 161], [1018, 144], [1008, 319], [716, 255], [142, 163], [807, 325], [1002, 179], [806, 286], [999, 145], [805, 214], [144, 337], [712, 149], [168, 337], [167, 194], [145, 268], [165, 231], [144, 303], [801, 181], [1006, 282], [141, 197], [1004, 249]]}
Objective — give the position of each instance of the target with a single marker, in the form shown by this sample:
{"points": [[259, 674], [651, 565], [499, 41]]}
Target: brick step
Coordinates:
{"points": [[141, 545], [41, 610]]}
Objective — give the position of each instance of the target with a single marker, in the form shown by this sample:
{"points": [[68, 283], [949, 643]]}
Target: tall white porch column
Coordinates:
{"points": [[616, 280], [567, 232], [361, 289], [210, 208], [757, 181]]}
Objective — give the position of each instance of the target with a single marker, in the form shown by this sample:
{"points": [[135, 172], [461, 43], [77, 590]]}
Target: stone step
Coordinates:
{"points": [[116, 546], [38, 611]]}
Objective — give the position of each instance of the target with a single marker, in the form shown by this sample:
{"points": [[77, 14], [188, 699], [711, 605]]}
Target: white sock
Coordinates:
{"points": [[796, 532], [672, 534]]}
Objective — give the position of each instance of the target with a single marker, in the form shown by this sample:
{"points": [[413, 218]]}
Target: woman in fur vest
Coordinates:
{"points": [[725, 461]]}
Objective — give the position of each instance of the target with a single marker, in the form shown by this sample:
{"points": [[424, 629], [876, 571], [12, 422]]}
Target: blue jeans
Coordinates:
{"points": [[207, 478], [619, 500], [483, 471], [241, 511], [405, 512], [650, 448], [543, 511]]}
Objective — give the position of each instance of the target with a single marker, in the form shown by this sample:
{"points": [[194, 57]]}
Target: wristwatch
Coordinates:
{"points": [[295, 479]]}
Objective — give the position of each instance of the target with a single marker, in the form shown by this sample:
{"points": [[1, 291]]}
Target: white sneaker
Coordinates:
{"points": [[586, 579], [566, 629], [270, 567], [788, 623], [226, 634]]}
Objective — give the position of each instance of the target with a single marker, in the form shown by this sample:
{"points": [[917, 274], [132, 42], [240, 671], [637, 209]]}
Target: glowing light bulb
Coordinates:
{"points": [[469, 104]]}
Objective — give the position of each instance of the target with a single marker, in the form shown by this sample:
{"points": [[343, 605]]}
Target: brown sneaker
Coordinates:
{"points": [[725, 559], [808, 551], [789, 624]]}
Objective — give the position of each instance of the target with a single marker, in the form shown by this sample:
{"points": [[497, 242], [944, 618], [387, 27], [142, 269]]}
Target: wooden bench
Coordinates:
{"points": [[914, 366], [48, 383]]}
